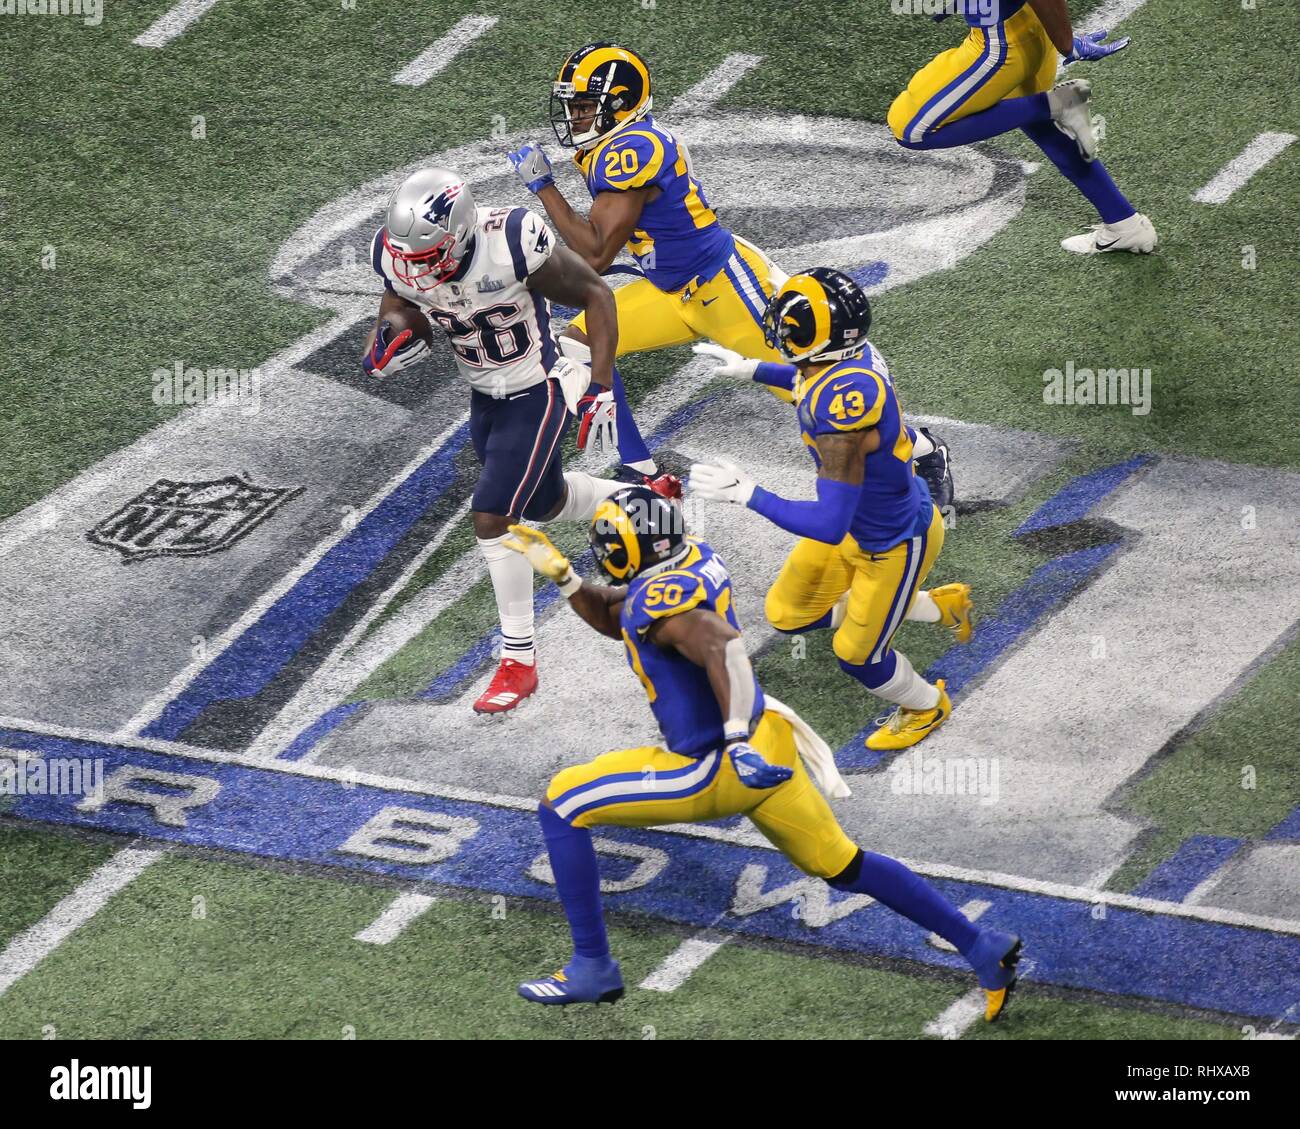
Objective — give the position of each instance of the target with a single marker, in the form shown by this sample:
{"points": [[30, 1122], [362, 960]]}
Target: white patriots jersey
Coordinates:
{"points": [[499, 330]]}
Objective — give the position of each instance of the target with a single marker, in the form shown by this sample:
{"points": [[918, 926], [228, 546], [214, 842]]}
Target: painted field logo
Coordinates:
{"points": [[188, 519], [858, 202]]}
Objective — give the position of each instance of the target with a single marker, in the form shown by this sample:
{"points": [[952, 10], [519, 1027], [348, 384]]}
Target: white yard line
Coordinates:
{"points": [[172, 23], [392, 923], [958, 1017], [32, 946], [714, 86], [155, 706], [1104, 17], [974, 910], [677, 967], [1109, 15], [439, 55], [344, 670], [43, 515], [742, 836], [341, 671], [1243, 166]]}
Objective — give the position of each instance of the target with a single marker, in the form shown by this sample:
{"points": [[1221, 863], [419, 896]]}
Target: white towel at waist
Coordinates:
{"points": [[816, 753]]}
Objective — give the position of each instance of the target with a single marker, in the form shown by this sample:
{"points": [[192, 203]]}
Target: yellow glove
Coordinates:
{"points": [[544, 557]]}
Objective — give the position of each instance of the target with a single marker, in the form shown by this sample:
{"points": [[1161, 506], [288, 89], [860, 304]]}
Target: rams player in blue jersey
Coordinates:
{"points": [[727, 749], [873, 534], [700, 279], [1001, 78]]}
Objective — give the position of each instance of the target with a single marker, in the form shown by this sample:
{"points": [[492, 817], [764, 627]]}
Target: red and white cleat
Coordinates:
{"points": [[512, 683]]}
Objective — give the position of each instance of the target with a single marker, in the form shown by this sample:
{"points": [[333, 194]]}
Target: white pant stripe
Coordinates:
{"points": [[942, 108], [901, 609], [645, 788]]}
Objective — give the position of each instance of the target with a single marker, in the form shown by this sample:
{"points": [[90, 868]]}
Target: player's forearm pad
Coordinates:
{"points": [[826, 519]]}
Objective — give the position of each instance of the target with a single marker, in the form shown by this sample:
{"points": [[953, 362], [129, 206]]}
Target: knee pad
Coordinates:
{"points": [[780, 616], [901, 111]]}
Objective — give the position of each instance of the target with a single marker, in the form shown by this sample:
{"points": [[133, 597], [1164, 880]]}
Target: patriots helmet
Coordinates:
{"points": [[600, 89], [634, 530], [817, 315], [430, 227]]}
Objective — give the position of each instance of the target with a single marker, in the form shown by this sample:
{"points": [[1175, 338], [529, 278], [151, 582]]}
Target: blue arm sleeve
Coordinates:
{"points": [[826, 519], [775, 375]]}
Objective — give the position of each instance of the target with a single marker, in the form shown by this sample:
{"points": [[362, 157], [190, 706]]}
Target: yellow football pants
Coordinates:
{"points": [[728, 308], [881, 587], [650, 786], [1005, 61]]}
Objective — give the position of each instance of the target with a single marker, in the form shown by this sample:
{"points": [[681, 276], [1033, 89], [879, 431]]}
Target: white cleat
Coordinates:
{"points": [[1069, 103], [1136, 234]]}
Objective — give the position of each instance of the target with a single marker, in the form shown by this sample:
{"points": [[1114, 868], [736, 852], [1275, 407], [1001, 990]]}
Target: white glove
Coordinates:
{"points": [[721, 481], [598, 425], [574, 378], [733, 364]]}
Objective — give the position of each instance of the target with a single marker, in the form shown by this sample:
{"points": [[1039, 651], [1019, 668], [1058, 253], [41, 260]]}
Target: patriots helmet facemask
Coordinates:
{"points": [[819, 315], [430, 227], [600, 89], [634, 531]]}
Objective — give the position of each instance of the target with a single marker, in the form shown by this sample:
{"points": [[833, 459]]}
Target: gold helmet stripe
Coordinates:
{"points": [[587, 69], [813, 290], [618, 517]]}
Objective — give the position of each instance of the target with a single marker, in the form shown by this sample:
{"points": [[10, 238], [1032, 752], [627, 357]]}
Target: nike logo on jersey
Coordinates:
{"points": [[708, 301]]}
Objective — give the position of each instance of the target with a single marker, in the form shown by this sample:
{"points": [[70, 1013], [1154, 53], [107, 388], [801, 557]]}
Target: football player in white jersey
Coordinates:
{"points": [[485, 276]]}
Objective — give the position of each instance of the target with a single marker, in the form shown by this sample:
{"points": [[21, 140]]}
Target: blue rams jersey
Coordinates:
{"points": [[680, 696], [986, 13], [679, 237], [854, 395]]}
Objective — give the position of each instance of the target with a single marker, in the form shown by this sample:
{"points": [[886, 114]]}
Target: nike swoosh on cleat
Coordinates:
{"points": [[1104, 246]]}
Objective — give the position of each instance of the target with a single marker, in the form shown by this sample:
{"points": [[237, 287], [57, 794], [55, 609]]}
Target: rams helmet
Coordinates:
{"points": [[818, 315], [431, 223], [634, 530], [602, 79]]}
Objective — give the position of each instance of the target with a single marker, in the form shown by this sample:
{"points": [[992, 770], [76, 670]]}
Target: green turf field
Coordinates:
{"points": [[133, 234]]}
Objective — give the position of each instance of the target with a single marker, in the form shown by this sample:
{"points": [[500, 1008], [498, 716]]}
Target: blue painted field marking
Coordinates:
{"points": [[253, 660], [1196, 858], [288, 813], [455, 679], [1048, 587]]}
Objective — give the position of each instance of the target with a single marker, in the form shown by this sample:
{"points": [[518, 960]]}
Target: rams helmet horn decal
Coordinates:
{"points": [[613, 79], [635, 530], [818, 315]]}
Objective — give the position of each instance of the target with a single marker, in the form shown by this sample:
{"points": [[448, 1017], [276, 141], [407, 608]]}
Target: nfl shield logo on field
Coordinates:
{"points": [[188, 519]]}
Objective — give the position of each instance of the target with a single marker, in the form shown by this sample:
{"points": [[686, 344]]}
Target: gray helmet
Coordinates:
{"points": [[430, 227]]}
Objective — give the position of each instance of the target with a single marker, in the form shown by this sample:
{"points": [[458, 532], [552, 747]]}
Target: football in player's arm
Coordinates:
{"points": [[563, 278]]}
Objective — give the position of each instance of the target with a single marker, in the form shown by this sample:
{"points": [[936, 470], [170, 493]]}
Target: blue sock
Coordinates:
{"points": [[1003, 117], [906, 892], [631, 447], [872, 675], [577, 878], [1090, 178]]}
